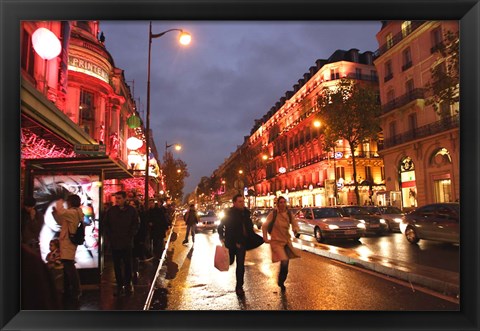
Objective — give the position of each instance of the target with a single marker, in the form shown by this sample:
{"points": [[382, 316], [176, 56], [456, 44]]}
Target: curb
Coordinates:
{"points": [[439, 280]]}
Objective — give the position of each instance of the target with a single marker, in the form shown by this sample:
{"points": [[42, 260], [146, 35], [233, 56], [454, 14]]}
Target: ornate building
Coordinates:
{"points": [[285, 152], [421, 147]]}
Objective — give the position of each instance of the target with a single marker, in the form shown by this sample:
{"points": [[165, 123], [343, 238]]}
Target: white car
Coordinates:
{"points": [[207, 221]]}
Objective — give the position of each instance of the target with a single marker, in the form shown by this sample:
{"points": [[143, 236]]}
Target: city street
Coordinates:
{"points": [[188, 281]]}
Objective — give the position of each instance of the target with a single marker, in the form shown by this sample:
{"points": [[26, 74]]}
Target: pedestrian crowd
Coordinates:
{"points": [[132, 236]]}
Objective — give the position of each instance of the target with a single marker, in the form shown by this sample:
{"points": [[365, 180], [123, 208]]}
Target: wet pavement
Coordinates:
{"points": [[175, 269]]}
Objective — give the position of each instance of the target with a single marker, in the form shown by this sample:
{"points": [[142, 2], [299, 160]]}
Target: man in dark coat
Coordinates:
{"points": [[157, 218], [31, 224], [236, 233], [121, 224]]}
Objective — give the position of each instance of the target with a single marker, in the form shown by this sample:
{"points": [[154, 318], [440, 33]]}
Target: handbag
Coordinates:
{"points": [[222, 258]]}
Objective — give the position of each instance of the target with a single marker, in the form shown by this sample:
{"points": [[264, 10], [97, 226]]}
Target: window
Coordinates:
{"points": [[409, 86], [28, 54], [340, 172], [412, 122], [358, 73], [373, 75], [368, 174], [389, 39], [406, 28], [334, 74], [436, 37], [390, 95], [407, 59], [388, 70], [87, 111], [393, 129], [426, 211]]}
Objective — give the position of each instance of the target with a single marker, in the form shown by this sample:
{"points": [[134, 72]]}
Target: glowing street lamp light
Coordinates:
{"points": [[47, 46], [184, 39]]}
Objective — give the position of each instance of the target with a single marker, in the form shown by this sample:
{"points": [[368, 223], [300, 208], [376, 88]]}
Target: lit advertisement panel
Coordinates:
{"points": [[48, 190]]}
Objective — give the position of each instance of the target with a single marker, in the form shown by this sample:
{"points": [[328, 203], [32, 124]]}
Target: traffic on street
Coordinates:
{"points": [[189, 281]]}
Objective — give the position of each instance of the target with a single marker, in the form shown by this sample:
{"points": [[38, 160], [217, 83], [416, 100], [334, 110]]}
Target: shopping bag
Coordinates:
{"points": [[222, 259]]}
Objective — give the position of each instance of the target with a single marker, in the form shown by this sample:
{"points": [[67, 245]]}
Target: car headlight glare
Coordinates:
{"points": [[382, 221], [361, 225], [263, 219], [397, 220], [221, 214], [362, 221], [333, 226], [217, 222]]}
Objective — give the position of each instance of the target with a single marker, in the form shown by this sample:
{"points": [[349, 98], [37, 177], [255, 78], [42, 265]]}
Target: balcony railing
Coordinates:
{"points": [[397, 38], [444, 124], [403, 100]]}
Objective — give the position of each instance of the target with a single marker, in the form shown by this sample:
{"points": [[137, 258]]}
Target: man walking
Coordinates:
{"points": [[191, 219], [121, 225], [157, 218], [236, 231]]}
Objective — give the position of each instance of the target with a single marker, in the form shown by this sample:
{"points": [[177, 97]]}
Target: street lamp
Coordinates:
{"points": [[48, 47], [177, 147], [184, 39]]}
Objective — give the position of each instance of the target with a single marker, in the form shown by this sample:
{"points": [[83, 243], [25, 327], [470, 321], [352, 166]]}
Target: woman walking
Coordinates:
{"points": [[280, 238]]}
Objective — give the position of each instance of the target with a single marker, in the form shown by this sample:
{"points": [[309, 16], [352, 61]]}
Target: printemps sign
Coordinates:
{"points": [[87, 67]]}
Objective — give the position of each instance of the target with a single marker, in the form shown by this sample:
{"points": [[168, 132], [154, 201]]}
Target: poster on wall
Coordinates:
{"points": [[48, 190]]}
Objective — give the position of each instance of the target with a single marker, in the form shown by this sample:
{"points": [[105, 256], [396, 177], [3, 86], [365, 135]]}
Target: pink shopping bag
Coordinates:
{"points": [[222, 259]]}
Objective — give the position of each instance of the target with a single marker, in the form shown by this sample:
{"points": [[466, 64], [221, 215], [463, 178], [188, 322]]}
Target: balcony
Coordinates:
{"points": [[369, 78], [403, 100], [396, 39], [444, 124]]}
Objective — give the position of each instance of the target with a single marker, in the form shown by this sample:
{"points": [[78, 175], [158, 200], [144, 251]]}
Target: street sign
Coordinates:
{"points": [[90, 149]]}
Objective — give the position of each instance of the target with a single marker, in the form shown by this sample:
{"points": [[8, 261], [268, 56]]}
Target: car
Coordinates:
{"points": [[208, 220], [328, 223], [392, 215], [373, 223], [436, 221], [259, 216]]}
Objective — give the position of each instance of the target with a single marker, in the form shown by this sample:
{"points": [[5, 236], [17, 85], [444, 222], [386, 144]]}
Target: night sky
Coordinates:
{"points": [[207, 95]]}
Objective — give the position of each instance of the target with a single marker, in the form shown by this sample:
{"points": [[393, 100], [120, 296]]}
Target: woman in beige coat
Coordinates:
{"points": [[68, 220], [280, 238]]}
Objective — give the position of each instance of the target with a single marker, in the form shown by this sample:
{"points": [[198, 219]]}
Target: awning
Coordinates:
{"points": [[81, 165]]}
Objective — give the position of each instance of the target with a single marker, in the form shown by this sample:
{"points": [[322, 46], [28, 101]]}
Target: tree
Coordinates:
{"points": [[249, 163], [444, 86], [350, 110], [175, 172]]}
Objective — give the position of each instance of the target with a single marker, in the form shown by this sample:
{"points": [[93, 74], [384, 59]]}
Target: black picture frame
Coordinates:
{"points": [[12, 12]]}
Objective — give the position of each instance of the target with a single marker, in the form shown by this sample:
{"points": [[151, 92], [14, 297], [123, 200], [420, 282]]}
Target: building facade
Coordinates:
{"points": [[421, 149], [285, 153]]}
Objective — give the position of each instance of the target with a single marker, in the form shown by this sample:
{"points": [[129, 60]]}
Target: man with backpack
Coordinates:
{"points": [[69, 219]]}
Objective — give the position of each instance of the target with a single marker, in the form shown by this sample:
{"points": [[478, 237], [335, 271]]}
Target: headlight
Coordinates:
{"points": [[263, 219], [397, 220], [332, 226], [382, 221], [217, 222], [221, 214], [361, 225], [362, 221]]}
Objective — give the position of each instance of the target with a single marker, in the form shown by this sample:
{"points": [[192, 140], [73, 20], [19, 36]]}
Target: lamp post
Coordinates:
{"points": [[184, 39]]}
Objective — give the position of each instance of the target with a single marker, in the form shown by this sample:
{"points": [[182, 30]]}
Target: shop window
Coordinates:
{"points": [[442, 188]]}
